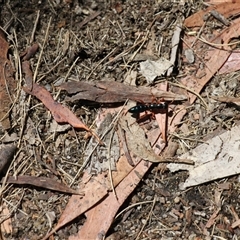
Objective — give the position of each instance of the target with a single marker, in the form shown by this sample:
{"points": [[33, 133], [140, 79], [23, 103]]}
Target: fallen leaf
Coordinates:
{"points": [[100, 218], [137, 142], [30, 52], [60, 113], [215, 159], [125, 179], [6, 225], [43, 182], [217, 59], [94, 191], [228, 99], [174, 48], [98, 156], [232, 64]]}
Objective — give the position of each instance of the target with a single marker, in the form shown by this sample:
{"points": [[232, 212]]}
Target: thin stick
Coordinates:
{"points": [[133, 205], [139, 48], [191, 91], [148, 217], [69, 70], [109, 164], [198, 35], [41, 52], [34, 27], [124, 52], [218, 44]]}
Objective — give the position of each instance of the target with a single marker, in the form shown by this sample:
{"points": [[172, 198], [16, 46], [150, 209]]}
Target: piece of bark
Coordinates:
{"points": [[115, 92]]}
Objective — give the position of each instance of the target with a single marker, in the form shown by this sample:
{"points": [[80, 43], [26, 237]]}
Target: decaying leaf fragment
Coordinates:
{"points": [[137, 142], [228, 99], [152, 69]]}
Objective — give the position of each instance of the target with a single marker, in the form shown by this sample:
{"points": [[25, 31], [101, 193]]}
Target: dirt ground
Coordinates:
{"points": [[95, 40]]}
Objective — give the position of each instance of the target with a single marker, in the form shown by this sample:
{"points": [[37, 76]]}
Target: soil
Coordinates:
{"points": [[93, 41]]}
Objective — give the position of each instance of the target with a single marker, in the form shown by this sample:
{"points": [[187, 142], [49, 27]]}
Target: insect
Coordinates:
{"points": [[151, 107]]}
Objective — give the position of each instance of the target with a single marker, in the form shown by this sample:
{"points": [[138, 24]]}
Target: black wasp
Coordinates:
{"points": [[150, 107]]}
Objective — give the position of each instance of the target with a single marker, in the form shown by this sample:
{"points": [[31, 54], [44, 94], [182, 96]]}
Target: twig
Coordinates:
{"points": [[69, 70], [132, 206], [109, 164], [88, 19], [189, 139], [191, 91], [41, 52], [124, 52], [198, 35], [150, 213], [34, 27], [218, 44], [139, 48]]}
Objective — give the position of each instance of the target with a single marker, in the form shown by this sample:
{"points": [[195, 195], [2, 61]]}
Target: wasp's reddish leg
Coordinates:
{"points": [[155, 107]]}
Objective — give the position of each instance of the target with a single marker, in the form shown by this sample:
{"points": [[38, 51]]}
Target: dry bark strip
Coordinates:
{"points": [[115, 92]]}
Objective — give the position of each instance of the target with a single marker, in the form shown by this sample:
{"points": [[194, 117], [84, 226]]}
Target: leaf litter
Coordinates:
{"points": [[98, 189]]}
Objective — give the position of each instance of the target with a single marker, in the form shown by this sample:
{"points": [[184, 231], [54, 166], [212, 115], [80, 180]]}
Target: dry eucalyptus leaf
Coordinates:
{"points": [[215, 159], [55, 127]]}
